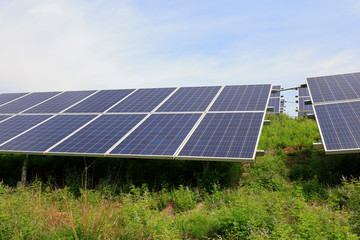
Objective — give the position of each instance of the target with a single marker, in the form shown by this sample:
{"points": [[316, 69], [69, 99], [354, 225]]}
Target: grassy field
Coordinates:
{"points": [[292, 192]]}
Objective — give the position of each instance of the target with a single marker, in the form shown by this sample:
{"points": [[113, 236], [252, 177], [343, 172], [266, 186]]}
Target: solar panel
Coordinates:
{"points": [[282, 105], [160, 134], [225, 135], [175, 119], [277, 94], [60, 102], [275, 103], [339, 124], [100, 101], [26, 102], [42, 137], [3, 117], [303, 107], [100, 135], [143, 100], [303, 92], [190, 99], [335, 87], [274, 100], [242, 98], [18, 124], [7, 97]]}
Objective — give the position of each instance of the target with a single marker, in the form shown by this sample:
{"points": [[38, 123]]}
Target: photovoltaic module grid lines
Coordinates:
{"points": [[7, 97], [3, 117], [303, 107], [42, 137], [100, 135], [18, 124], [60, 102], [277, 94], [225, 135], [340, 125], [303, 92], [190, 99], [100, 101], [143, 100], [275, 103], [25, 102], [118, 125], [242, 98], [334, 88], [160, 134], [274, 100]]}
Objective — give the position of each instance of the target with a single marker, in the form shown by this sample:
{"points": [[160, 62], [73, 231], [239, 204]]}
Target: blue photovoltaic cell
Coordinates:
{"points": [[335, 87], [143, 100], [3, 117], [60, 102], [303, 107], [18, 124], [274, 102], [225, 135], [190, 99], [340, 125], [282, 104], [42, 137], [100, 135], [160, 134], [242, 98], [303, 92], [275, 87], [100, 101], [7, 97], [26, 102]]}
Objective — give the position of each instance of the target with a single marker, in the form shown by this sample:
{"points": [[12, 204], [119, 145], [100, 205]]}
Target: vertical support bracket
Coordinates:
{"points": [[24, 170]]}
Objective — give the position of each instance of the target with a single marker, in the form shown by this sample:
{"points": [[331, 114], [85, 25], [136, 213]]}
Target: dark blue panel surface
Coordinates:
{"points": [[340, 125], [47, 134], [60, 102], [160, 134], [100, 101], [335, 87], [3, 117], [143, 100], [18, 124], [303, 92], [7, 97], [100, 135], [225, 135], [242, 98], [303, 107], [282, 104], [275, 103], [275, 87], [190, 99], [26, 102]]}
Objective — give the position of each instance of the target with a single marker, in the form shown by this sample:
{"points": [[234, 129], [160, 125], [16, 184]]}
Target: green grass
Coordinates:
{"points": [[292, 192]]}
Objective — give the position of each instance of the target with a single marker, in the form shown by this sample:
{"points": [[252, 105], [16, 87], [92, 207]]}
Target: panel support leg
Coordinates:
{"points": [[24, 170], [205, 166]]}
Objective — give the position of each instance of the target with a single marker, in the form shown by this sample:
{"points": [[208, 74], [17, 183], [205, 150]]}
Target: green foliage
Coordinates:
{"points": [[285, 131], [292, 192]]}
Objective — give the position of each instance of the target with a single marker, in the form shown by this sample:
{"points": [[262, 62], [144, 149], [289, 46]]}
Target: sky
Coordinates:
{"points": [[96, 44]]}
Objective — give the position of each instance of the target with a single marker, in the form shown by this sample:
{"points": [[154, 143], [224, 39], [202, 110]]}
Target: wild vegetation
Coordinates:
{"points": [[293, 192]]}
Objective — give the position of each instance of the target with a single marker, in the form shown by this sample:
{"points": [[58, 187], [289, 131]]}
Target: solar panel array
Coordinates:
{"points": [[205, 123], [336, 103], [275, 100], [304, 109]]}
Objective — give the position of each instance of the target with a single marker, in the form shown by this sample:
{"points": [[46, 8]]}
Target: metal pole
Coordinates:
{"points": [[24, 170]]}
